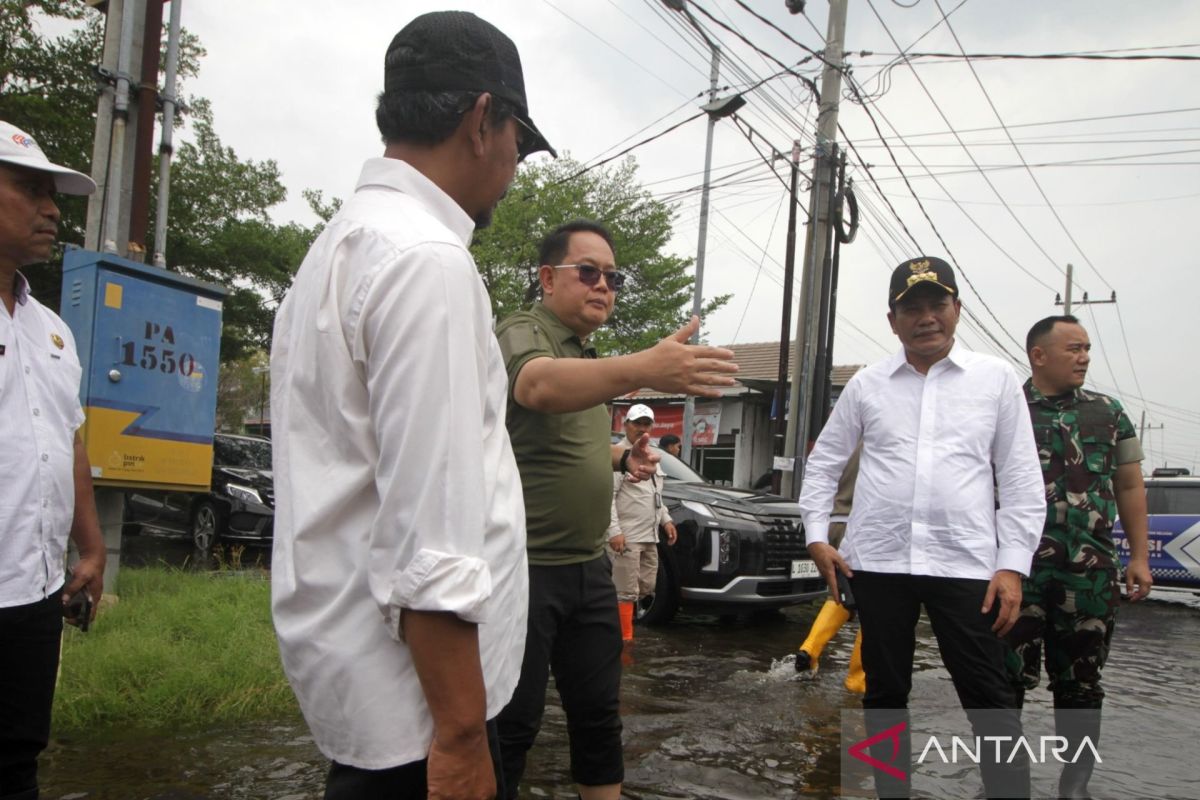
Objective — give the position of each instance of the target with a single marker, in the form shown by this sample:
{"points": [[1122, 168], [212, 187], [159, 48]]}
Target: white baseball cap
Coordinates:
{"points": [[19, 148], [640, 411]]}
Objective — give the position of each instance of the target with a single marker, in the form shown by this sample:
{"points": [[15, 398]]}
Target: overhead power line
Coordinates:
{"points": [[1038, 56]]}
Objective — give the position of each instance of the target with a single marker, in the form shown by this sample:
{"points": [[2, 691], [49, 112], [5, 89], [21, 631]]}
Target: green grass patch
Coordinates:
{"points": [[179, 648]]}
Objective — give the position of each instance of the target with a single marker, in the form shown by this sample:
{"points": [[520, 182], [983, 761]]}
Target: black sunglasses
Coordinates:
{"points": [[590, 276]]}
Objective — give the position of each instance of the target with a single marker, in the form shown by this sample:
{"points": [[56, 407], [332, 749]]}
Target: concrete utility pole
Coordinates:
{"points": [[1142, 429], [820, 222], [716, 109], [789, 267], [114, 148], [1064, 300]]}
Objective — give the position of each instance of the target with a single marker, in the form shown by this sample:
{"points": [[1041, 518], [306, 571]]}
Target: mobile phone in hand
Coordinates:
{"points": [[845, 595], [78, 610]]}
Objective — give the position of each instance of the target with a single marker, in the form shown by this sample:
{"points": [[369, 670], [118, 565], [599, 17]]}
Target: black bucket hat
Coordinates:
{"points": [[458, 51]]}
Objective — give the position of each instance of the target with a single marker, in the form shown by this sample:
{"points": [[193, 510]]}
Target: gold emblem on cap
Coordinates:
{"points": [[58, 341], [919, 266], [923, 276]]}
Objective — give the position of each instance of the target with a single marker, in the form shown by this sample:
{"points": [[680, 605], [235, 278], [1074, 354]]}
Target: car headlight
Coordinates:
{"points": [[705, 510], [247, 494]]}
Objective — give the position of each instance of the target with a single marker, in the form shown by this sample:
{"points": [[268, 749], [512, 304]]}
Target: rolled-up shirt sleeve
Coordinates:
{"points": [[823, 470], [1021, 490], [427, 382]]}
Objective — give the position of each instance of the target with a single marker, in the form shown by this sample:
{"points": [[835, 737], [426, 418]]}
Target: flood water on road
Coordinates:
{"points": [[711, 710]]}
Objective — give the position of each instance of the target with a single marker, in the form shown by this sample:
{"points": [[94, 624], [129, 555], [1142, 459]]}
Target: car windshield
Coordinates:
{"points": [[246, 453], [676, 470]]}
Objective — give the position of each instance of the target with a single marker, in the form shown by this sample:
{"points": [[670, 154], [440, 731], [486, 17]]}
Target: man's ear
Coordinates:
{"points": [[546, 279], [892, 321], [1037, 356], [476, 123]]}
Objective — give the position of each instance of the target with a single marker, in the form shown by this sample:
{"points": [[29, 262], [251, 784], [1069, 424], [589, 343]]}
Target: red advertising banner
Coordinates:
{"points": [[706, 422], [667, 419]]}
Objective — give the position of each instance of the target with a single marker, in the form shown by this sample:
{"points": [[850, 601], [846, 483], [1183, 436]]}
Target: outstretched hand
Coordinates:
{"points": [[680, 368], [642, 463]]}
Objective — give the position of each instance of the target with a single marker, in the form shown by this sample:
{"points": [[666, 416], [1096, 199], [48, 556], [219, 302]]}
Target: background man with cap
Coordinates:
{"points": [[399, 584], [929, 526], [1092, 466], [560, 434], [637, 513], [46, 492]]}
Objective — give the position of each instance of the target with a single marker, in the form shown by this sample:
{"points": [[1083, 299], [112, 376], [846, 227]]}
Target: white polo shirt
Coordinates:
{"points": [[395, 482], [39, 414]]}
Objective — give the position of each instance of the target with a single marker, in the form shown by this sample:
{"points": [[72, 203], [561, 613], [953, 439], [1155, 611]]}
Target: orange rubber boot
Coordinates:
{"points": [[856, 678], [625, 608]]}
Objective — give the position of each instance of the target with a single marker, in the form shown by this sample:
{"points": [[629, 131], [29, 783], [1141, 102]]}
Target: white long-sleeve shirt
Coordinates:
{"points": [[396, 486], [925, 500]]}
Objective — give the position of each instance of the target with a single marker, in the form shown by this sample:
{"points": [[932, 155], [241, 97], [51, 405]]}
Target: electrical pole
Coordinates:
{"points": [[1142, 430], [807, 319], [789, 268], [1064, 300], [689, 403]]}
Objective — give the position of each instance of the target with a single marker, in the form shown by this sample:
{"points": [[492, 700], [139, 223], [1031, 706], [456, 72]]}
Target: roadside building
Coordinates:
{"points": [[732, 440]]}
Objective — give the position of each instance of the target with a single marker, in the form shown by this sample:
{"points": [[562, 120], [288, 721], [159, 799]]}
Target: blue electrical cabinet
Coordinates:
{"points": [[149, 342]]}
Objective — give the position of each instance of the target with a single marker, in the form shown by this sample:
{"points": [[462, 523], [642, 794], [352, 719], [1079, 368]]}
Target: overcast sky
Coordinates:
{"points": [[295, 81]]}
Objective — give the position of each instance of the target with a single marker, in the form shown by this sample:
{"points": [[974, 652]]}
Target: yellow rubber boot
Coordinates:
{"points": [[856, 678], [830, 619], [626, 610]]}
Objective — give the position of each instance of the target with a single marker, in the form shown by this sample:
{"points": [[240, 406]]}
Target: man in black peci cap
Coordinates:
{"points": [[400, 587], [930, 526]]}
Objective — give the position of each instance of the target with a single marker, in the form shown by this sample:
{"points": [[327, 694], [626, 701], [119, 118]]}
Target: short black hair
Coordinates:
{"points": [[668, 440], [558, 241], [1043, 327], [430, 117]]}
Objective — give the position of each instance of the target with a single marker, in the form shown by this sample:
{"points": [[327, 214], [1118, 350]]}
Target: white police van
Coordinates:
{"points": [[1173, 505]]}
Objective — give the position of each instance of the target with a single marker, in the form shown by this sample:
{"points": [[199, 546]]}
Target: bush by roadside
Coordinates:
{"points": [[179, 649]]}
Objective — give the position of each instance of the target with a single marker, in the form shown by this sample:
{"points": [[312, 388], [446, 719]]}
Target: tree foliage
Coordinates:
{"points": [[219, 229], [657, 297]]}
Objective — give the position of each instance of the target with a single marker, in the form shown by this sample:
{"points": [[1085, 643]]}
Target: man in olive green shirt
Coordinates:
{"points": [[560, 435]]}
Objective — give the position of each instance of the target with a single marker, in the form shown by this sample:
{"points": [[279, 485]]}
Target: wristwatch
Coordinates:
{"points": [[625, 461]]}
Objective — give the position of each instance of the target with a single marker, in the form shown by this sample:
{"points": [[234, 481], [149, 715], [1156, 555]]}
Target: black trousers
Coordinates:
{"points": [[30, 640], [405, 782], [574, 631], [888, 608]]}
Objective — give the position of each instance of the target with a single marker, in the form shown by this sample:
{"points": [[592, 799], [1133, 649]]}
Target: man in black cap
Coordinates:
{"points": [[948, 509], [400, 589]]}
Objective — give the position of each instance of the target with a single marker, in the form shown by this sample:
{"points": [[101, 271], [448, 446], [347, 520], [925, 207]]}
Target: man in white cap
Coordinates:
{"points": [[637, 513], [46, 493]]}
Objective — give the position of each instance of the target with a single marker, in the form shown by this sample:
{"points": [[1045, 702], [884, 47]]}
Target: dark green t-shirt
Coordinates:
{"points": [[565, 460]]}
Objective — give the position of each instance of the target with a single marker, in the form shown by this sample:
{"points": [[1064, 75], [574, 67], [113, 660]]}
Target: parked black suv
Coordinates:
{"points": [[737, 551], [239, 506]]}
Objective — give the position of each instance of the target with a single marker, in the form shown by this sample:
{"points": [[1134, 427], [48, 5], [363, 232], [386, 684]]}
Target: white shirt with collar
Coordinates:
{"points": [[396, 486], [39, 414], [925, 499]]}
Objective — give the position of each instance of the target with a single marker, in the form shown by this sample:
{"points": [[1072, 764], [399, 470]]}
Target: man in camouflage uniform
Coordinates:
{"points": [[1091, 461]]}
